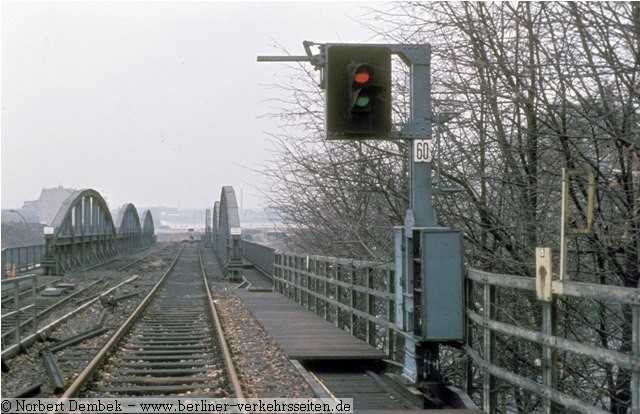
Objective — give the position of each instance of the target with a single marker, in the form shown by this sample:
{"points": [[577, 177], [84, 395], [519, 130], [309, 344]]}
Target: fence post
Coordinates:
{"points": [[635, 346], [304, 272], [549, 362], [325, 284], [549, 353], [370, 306], [17, 302], [469, 337], [34, 294], [352, 298], [277, 272], [489, 344]]}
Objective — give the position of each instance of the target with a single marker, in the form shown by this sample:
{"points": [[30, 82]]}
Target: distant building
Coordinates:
{"points": [[45, 209]]}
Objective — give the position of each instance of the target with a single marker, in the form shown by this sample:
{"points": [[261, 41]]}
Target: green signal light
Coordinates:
{"points": [[362, 101]]}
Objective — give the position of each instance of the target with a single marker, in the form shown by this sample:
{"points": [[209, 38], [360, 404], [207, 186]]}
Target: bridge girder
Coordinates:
{"points": [[148, 229], [226, 231], [128, 229], [84, 232]]}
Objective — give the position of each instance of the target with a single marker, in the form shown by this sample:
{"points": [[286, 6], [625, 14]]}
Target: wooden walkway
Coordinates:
{"points": [[257, 281], [308, 338], [301, 334]]}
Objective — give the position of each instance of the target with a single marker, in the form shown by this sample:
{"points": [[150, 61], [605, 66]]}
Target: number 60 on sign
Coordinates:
{"points": [[422, 150]]}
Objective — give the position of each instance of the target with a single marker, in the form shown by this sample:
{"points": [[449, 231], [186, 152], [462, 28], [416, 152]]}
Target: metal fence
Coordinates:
{"points": [[262, 257], [505, 320], [356, 296], [22, 259], [13, 288], [547, 350]]}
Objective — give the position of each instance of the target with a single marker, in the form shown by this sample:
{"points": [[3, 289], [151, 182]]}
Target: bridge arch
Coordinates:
{"points": [[215, 224], [83, 233], [148, 229], [226, 229], [128, 229]]}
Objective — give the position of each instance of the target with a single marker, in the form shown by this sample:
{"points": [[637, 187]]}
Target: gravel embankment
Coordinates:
{"points": [[262, 366]]}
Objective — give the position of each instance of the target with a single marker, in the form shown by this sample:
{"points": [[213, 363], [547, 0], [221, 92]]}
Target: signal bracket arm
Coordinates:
{"points": [[316, 60]]}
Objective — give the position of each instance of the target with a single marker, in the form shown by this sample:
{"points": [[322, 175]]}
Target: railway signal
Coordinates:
{"points": [[358, 91], [357, 82]]}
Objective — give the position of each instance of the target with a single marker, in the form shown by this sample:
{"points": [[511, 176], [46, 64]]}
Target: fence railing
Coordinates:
{"points": [[262, 257], [13, 288], [548, 348], [356, 296], [504, 320], [22, 258]]}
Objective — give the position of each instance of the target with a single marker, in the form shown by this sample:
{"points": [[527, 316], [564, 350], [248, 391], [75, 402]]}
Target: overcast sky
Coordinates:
{"points": [[154, 103]]}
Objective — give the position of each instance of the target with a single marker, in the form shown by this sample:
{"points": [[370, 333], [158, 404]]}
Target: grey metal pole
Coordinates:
{"points": [[420, 172]]}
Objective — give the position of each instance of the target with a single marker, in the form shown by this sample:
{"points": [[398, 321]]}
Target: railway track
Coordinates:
{"points": [[120, 263], [363, 381], [171, 345]]}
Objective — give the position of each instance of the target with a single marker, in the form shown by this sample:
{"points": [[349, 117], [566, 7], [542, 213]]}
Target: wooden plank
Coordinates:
{"points": [[300, 333]]}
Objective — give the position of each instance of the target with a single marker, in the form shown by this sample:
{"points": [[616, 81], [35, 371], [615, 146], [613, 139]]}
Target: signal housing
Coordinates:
{"points": [[358, 91]]}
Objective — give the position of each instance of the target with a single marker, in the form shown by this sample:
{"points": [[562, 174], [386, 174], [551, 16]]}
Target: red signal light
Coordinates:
{"points": [[362, 75], [358, 91]]}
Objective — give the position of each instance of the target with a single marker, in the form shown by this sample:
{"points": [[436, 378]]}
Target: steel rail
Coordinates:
{"points": [[228, 360], [95, 363], [115, 259]]}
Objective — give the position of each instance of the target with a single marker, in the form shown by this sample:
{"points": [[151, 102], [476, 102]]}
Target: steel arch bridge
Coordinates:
{"points": [[128, 229], [83, 232], [148, 229], [225, 233]]}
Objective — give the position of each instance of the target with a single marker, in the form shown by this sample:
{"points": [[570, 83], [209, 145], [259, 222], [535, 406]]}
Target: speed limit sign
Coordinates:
{"points": [[422, 150]]}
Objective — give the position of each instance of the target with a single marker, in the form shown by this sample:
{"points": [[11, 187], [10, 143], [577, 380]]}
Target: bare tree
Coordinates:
{"points": [[539, 87], [338, 198]]}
